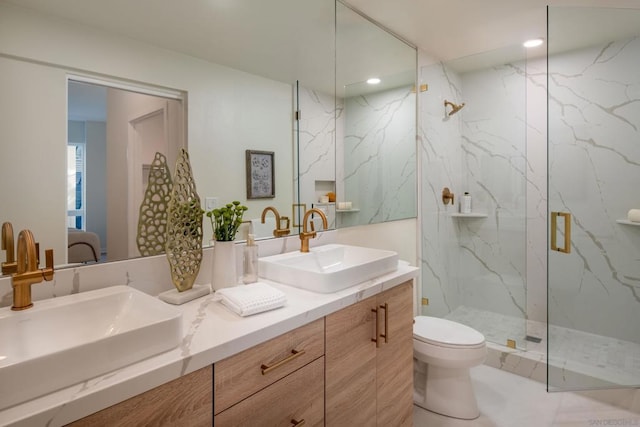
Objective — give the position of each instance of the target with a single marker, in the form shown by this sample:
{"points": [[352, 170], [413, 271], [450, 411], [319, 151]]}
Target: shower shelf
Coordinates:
{"points": [[627, 222], [469, 215]]}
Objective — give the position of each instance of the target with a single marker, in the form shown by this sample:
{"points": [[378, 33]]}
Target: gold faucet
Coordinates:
{"points": [[306, 235], [9, 266], [27, 271], [278, 232]]}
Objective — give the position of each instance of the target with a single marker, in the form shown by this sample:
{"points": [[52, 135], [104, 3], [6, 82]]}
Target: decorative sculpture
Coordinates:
{"points": [[152, 219], [184, 227]]}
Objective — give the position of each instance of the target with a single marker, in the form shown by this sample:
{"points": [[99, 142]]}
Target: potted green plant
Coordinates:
{"points": [[225, 222]]}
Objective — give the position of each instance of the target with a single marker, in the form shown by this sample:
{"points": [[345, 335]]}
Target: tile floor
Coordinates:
{"points": [[594, 359], [508, 400]]}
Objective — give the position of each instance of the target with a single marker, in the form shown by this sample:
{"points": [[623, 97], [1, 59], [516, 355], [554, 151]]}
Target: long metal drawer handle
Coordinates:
{"points": [[294, 354], [296, 423], [567, 232], [385, 307], [376, 340]]}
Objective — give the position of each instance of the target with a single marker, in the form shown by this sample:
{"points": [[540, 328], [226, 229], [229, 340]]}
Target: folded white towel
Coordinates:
{"points": [[246, 300], [260, 230], [634, 215]]}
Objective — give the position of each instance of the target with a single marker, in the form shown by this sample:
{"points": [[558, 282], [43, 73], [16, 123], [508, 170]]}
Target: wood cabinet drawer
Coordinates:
{"points": [[186, 401], [243, 374], [296, 398]]}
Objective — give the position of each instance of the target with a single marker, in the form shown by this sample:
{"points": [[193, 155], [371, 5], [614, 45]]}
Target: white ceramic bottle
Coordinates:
{"points": [[250, 261], [465, 208]]}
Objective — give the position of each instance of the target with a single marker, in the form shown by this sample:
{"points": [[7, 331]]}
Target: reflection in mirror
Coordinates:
{"points": [[376, 146], [234, 66], [114, 136]]}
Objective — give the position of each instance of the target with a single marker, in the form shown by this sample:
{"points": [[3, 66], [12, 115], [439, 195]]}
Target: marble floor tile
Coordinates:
{"points": [[508, 400]]}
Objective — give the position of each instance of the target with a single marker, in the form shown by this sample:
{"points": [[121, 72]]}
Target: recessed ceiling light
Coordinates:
{"points": [[532, 43], [373, 81]]}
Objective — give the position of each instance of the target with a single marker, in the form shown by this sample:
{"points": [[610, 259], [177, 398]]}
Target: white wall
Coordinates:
{"points": [[96, 194]]}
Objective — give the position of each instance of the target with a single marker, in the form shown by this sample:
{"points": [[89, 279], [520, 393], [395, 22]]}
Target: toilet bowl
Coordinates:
{"points": [[443, 352]]}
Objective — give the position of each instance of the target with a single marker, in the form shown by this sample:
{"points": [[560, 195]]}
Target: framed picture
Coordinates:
{"points": [[260, 174]]}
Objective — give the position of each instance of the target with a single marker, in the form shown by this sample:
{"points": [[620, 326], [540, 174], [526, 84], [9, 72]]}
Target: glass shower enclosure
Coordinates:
{"points": [[593, 81]]}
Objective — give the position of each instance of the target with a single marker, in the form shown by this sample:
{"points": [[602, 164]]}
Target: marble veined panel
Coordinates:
{"points": [[380, 156], [594, 168]]}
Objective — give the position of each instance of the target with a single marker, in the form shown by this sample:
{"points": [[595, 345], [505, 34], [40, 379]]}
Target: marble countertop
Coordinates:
{"points": [[210, 333]]}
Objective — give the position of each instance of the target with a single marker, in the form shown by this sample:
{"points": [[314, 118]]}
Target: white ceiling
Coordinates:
{"points": [[256, 35]]}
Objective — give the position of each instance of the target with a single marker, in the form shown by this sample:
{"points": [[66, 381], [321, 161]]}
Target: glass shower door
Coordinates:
{"points": [[593, 175]]}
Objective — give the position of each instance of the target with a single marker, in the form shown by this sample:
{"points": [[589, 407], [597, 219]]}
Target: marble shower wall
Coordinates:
{"points": [[441, 166], [594, 171], [493, 249], [379, 155], [475, 262]]}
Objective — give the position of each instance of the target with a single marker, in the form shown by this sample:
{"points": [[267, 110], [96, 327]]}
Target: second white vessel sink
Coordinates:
{"points": [[328, 268], [66, 340]]}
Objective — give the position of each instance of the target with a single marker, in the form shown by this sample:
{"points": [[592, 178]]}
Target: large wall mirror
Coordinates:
{"points": [[376, 100], [237, 72]]}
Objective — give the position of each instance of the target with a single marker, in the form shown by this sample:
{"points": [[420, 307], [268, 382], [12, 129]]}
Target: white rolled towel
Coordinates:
{"points": [[634, 215]]}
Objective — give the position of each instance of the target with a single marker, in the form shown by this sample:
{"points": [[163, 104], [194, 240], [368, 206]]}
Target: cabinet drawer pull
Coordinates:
{"points": [[386, 322], [294, 353], [376, 340], [296, 423]]}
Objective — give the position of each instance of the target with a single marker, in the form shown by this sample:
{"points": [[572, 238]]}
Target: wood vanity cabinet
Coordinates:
{"points": [[369, 383], [278, 382], [186, 401], [328, 372]]}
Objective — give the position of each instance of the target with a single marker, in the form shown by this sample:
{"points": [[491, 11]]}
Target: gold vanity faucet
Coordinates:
{"points": [[306, 235], [278, 232], [27, 271], [9, 266]]}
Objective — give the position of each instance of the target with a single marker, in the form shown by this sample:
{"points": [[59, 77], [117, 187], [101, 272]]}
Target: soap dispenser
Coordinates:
{"points": [[465, 207], [250, 264]]}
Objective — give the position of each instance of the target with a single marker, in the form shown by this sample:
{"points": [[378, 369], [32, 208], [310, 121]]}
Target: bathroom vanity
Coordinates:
{"points": [[310, 361]]}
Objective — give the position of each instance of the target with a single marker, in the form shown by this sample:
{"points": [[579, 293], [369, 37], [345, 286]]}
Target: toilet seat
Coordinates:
{"points": [[445, 333]]}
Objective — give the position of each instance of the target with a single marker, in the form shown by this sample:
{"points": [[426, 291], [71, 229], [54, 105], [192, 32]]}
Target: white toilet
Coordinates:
{"points": [[443, 352]]}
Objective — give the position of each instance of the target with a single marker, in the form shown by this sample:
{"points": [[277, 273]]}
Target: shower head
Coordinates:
{"points": [[454, 107]]}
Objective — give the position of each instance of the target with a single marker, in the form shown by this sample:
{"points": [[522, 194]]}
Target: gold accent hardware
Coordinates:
{"points": [[278, 232], [567, 232], [423, 88], [297, 215], [454, 107], [376, 340], [294, 354], [9, 266], [296, 423], [305, 235], [27, 271], [447, 196], [511, 343], [425, 301], [385, 307]]}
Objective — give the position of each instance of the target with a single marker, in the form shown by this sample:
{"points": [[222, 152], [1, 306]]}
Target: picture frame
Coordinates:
{"points": [[260, 169]]}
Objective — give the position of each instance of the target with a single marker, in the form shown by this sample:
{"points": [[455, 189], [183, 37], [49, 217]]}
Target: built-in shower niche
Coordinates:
{"points": [[322, 201]]}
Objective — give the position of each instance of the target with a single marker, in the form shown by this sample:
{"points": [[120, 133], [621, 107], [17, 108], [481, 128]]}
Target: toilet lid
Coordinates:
{"points": [[443, 331]]}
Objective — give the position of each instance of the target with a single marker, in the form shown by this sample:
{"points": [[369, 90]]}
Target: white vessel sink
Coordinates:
{"points": [[66, 340], [328, 268]]}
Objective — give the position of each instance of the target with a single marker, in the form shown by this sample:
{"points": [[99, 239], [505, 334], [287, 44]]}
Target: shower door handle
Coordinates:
{"points": [[567, 232]]}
